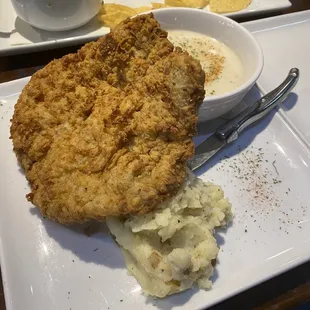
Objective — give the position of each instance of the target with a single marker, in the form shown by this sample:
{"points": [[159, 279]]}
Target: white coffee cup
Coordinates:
{"points": [[56, 15]]}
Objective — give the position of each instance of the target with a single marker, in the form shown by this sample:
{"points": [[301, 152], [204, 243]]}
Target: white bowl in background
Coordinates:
{"points": [[233, 35], [56, 15]]}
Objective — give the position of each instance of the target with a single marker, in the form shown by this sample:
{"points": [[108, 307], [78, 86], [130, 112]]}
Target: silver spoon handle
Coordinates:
{"points": [[231, 129]]}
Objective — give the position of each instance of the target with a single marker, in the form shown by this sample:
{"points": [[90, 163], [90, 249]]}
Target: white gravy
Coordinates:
{"points": [[223, 68]]}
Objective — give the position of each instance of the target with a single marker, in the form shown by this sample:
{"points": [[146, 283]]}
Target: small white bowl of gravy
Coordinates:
{"points": [[230, 56]]}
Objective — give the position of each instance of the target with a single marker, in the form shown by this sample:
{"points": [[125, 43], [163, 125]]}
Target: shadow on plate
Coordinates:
{"points": [[91, 242], [290, 102], [220, 234], [4, 35]]}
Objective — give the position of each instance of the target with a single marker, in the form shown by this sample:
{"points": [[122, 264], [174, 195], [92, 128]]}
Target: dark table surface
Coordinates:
{"points": [[287, 291]]}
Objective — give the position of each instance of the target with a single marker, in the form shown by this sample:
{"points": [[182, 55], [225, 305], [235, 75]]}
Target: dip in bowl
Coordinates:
{"points": [[229, 54]]}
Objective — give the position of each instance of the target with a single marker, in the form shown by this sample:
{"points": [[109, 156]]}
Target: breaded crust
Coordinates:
{"points": [[108, 130]]}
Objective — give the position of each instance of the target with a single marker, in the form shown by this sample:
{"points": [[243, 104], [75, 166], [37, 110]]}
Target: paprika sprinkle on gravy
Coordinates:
{"points": [[223, 68]]}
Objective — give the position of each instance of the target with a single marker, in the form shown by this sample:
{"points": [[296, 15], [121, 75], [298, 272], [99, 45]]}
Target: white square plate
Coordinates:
{"points": [[30, 39], [49, 266]]}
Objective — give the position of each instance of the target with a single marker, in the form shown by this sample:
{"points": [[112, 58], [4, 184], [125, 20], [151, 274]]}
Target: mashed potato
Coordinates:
{"points": [[173, 247]]}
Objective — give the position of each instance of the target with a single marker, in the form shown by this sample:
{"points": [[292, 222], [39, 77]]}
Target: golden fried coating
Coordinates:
{"points": [[108, 130]]}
